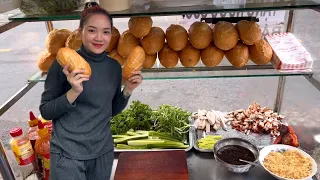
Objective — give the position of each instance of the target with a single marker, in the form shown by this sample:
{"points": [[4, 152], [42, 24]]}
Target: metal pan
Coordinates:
{"points": [[190, 139], [259, 140]]}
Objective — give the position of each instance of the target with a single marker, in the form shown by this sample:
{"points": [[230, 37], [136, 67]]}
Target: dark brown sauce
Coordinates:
{"points": [[232, 153]]}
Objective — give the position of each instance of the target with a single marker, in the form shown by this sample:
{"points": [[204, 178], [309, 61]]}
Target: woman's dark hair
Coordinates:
{"points": [[91, 8]]}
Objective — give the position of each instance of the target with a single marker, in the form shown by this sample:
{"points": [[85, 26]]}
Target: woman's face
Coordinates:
{"points": [[96, 33]]}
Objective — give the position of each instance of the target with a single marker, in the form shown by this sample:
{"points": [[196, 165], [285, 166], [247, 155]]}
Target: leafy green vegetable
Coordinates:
{"points": [[32, 7], [136, 117], [142, 114], [172, 120]]}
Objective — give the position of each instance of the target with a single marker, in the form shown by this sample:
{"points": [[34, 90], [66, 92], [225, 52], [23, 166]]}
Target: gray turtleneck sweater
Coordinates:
{"points": [[82, 130]]}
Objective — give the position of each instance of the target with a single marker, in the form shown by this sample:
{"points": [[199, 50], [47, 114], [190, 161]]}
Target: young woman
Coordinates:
{"points": [[81, 107]]}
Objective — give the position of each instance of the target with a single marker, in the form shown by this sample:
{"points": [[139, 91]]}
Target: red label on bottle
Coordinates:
{"points": [[28, 160]]}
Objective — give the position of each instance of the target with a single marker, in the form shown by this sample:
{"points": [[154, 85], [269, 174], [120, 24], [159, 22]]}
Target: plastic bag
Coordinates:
{"points": [[32, 7]]}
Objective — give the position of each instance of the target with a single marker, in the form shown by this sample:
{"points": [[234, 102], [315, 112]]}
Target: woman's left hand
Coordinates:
{"points": [[134, 81]]}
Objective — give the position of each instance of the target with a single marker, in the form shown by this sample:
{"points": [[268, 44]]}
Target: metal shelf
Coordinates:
{"points": [[173, 8], [179, 72], [202, 72]]}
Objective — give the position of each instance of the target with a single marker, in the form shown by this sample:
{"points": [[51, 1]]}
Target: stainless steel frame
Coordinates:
{"points": [[9, 25], [5, 170], [282, 79], [16, 97], [313, 81], [280, 92], [316, 9]]}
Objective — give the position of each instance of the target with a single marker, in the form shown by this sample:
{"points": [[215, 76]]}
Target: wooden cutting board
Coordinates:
{"points": [[162, 165]]}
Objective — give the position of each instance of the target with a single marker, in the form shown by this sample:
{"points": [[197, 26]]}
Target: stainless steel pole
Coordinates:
{"points": [[5, 168], [282, 79]]}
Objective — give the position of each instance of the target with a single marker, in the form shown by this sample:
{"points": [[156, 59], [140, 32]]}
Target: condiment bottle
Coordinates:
{"points": [[44, 121], [43, 149], [47, 123], [22, 150], [33, 127], [33, 136], [49, 127]]}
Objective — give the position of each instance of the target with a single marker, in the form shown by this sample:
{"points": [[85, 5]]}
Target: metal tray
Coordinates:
{"points": [[260, 140], [190, 140]]}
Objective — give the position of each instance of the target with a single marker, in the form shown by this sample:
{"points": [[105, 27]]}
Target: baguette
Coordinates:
{"points": [[239, 55], [45, 61], [249, 32], [134, 62], [56, 39], [114, 39], [261, 52], [225, 35], [74, 41], [69, 56]]}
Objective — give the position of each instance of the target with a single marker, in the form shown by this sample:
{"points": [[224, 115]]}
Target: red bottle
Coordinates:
{"points": [[43, 149], [33, 128]]}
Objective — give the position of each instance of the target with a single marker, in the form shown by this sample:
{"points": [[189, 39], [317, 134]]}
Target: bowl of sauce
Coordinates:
{"points": [[228, 151]]}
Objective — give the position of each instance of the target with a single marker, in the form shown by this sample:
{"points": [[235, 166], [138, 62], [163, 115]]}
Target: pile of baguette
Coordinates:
{"points": [[238, 42], [57, 39]]}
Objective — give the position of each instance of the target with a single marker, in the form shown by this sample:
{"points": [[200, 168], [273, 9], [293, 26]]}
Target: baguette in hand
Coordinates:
{"points": [[69, 56]]}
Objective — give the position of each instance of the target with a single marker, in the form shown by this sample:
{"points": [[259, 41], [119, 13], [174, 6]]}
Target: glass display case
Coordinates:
{"points": [[273, 16]]}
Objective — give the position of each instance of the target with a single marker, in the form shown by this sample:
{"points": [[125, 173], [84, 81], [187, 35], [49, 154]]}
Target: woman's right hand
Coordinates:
{"points": [[76, 78]]}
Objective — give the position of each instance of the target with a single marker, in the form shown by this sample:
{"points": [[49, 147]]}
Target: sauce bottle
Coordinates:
{"points": [[33, 127], [43, 149], [33, 136], [22, 150], [47, 123]]}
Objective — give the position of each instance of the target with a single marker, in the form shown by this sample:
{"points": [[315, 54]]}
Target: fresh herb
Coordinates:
{"points": [[172, 120], [136, 117]]}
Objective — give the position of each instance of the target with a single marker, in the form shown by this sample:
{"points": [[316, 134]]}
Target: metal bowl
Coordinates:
{"points": [[236, 141]]}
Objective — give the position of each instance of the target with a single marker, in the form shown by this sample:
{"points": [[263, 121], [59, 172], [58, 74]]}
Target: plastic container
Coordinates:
{"points": [[43, 149], [22, 149], [118, 5]]}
